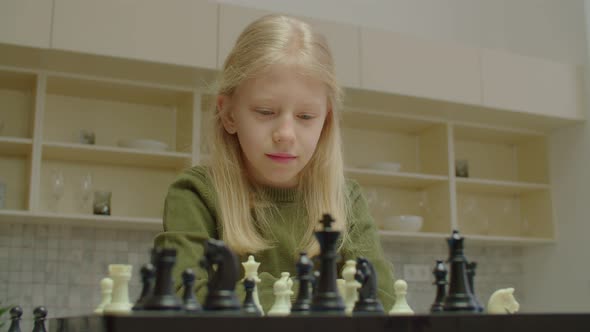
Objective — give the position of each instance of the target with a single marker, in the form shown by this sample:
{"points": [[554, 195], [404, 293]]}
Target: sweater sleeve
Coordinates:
{"points": [[189, 221], [365, 241]]}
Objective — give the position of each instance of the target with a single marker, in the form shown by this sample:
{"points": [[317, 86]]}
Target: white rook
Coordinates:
{"points": [[121, 274]]}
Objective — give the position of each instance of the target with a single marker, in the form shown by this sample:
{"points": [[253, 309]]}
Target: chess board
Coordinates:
{"points": [[416, 323]]}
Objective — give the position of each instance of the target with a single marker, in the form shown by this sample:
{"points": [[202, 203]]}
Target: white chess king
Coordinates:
{"points": [[251, 271]]}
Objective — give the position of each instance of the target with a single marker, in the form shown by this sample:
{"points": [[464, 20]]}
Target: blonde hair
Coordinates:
{"points": [[277, 39]]}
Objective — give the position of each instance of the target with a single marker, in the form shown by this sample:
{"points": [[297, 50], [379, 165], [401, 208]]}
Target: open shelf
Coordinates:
{"points": [[399, 179], [17, 97], [409, 236], [502, 155], [507, 240], [14, 216], [14, 146], [116, 110], [497, 187], [417, 145], [135, 191], [115, 155]]}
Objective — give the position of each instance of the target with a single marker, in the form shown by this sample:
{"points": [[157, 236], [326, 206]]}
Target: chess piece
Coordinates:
{"points": [[367, 303], [163, 297], [40, 313], [440, 280], [191, 304], [289, 288], [121, 274], [502, 301], [327, 298], [221, 295], [302, 304], [148, 273], [401, 306], [459, 297], [350, 288], [282, 293], [106, 287], [251, 271], [16, 313], [249, 307], [471, 267], [315, 282]]}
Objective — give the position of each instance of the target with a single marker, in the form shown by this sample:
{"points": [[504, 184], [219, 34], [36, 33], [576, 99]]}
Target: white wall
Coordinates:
{"points": [[557, 279], [552, 29]]}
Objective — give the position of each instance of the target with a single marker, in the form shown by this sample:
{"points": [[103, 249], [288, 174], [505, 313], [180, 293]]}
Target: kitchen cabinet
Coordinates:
{"points": [[26, 22], [180, 32], [532, 85], [403, 65]]}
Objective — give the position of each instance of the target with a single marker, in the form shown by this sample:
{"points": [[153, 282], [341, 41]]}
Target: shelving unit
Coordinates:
{"points": [[507, 195], [17, 97], [508, 168]]}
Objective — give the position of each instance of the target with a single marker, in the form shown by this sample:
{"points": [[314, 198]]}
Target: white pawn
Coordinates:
{"points": [[401, 306], [106, 287], [251, 271], [350, 288], [282, 304], [121, 274]]}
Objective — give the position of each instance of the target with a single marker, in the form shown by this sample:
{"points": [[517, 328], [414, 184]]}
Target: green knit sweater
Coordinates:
{"points": [[191, 217]]}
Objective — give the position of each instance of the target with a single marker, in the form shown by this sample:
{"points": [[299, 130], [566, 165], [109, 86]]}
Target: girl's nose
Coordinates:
{"points": [[284, 133]]}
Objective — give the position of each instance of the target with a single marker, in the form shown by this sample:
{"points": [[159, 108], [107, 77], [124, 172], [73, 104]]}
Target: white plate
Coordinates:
{"points": [[404, 223], [143, 144]]}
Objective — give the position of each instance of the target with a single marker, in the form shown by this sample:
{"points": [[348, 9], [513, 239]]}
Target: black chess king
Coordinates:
{"points": [[459, 298]]}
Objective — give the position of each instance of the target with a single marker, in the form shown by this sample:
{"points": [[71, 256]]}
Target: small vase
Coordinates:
{"points": [[102, 203]]}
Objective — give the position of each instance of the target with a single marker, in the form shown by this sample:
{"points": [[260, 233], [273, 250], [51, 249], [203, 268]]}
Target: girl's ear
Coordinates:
{"points": [[225, 114]]}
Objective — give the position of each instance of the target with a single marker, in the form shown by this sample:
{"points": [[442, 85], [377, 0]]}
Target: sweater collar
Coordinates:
{"points": [[280, 194]]}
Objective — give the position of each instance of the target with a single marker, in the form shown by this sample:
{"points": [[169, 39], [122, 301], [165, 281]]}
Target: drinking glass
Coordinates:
{"points": [[58, 186]]}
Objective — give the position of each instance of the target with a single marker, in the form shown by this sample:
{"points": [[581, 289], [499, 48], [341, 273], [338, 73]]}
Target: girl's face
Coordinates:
{"points": [[278, 117]]}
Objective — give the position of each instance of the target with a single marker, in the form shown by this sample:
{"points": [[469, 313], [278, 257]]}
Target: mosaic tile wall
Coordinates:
{"points": [[60, 266]]}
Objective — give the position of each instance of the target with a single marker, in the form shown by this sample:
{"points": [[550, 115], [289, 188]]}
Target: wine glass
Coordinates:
{"points": [[58, 186], [86, 190]]}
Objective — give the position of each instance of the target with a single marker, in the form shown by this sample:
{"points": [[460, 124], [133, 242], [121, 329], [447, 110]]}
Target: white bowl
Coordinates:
{"points": [[385, 166], [143, 144], [405, 223]]}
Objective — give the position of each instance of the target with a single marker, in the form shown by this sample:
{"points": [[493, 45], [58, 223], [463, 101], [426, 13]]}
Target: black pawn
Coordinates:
{"points": [[15, 315], [191, 304], [304, 275], [249, 307], [164, 297], [327, 298], [440, 280], [459, 297], [40, 314], [471, 267], [148, 274]]}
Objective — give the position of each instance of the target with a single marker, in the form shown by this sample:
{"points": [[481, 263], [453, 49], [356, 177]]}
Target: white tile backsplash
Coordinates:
{"points": [[60, 266]]}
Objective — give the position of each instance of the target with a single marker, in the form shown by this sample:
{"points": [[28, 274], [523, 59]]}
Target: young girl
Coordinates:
{"points": [[276, 164]]}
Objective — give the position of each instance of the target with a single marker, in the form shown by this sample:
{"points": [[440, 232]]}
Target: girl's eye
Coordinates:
{"points": [[306, 116], [264, 111]]}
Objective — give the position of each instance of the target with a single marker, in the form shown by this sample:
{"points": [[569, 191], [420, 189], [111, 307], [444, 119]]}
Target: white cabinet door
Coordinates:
{"points": [[404, 65], [179, 32], [25, 22], [531, 85], [342, 38]]}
